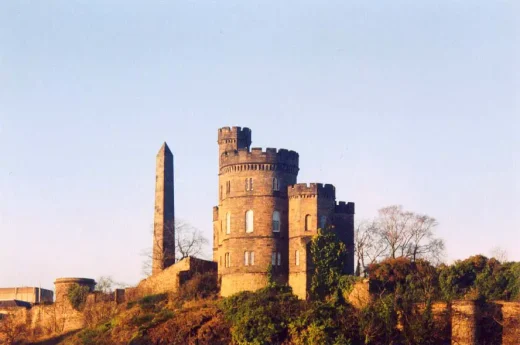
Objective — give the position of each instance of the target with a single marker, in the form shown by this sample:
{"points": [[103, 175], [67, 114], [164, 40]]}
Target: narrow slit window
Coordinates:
{"points": [[308, 222], [276, 221], [228, 223], [249, 221]]}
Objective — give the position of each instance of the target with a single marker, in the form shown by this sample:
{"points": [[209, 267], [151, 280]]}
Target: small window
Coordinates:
{"points": [[249, 221], [279, 256], [220, 192], [228, 260], [297, 258], [228, 187], [308, 222], [249, 258], [276, 184], [249, 184], [276, 221], [228, 223], [323, 222], [273, 259]]}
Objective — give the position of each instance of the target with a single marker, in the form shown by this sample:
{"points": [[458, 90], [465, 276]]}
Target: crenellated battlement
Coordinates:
{"points": [[343, 207], [258, 155], [228, 134], [313, 189]]}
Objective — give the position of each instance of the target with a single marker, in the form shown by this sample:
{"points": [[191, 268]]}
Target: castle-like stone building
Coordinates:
{"points": [[264, 217]]}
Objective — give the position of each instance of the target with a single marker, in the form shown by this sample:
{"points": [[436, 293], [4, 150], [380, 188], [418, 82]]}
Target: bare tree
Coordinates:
{"points": [[408, 234], [189, 241], [396, 232], [368, 246], [422, 243], [106, 284], [499, 253]]}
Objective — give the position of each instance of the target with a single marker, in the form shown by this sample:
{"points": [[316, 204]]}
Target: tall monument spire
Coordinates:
{"points": [[163, 254]]}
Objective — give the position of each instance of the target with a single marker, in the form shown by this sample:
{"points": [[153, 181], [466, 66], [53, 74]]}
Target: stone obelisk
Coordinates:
{"points": [[163, 254]]}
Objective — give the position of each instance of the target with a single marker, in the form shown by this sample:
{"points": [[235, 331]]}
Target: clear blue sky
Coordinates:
{"points": [[394, 102]]}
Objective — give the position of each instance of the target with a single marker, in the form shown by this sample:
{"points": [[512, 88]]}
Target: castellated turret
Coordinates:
{"points": [[251, 220], [263, 215], [313, 207]]}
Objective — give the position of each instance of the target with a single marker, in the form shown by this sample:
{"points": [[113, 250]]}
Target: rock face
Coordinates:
{"points": [[264, 218], [163, 249]]}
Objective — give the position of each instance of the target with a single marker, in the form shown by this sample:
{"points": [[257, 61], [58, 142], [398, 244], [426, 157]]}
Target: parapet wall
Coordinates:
{"points": [[345, 208], [255, 158], [304, 190], [171, 278], [232, 133]]}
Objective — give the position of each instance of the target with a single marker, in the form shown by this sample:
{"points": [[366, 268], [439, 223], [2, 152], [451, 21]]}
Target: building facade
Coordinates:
{"points": [[265, 218]]}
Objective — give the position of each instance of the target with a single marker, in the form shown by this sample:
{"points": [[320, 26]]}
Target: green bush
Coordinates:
{"points": [[325, 324], [261, 317], [77, 296]]}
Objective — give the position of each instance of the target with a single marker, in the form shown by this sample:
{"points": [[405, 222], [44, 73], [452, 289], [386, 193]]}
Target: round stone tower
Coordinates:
{"points": [[62, 285], [251, 219]]}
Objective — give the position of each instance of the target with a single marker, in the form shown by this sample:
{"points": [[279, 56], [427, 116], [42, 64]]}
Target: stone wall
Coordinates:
{"points": [[170, 279]]}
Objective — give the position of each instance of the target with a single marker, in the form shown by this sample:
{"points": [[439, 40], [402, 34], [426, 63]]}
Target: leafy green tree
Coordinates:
{"points": [[328, 257]]}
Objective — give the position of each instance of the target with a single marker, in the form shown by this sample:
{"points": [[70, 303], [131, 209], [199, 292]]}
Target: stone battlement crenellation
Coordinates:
{"points": [[258, 155], [344, 207], [312, 189]]}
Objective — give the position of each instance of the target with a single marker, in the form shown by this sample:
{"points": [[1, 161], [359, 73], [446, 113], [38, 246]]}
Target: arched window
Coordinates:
{"points": [[297, 258], [276, 184], [228, 223], [276, 221], [323, 222], [308, 222], [246, 258], [249, 221]]}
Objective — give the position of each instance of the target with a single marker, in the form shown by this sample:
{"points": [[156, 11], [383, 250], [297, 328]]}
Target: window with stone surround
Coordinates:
{"points": [[249, 258], [297, 258], [276, 184], [228, 223], [276, 259], [249, 184], [323, 222], [276, 221], [249, 221], [308, 222], [228, 260]]}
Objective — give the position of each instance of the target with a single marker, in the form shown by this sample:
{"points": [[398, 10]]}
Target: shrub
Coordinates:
{"points": [[261, 317], [77, 296], [199, 286], [324, 323], [151, 303]]}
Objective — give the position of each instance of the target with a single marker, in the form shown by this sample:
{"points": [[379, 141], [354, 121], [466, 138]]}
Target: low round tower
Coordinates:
{"points": [[62, 286], [251, 220]]}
